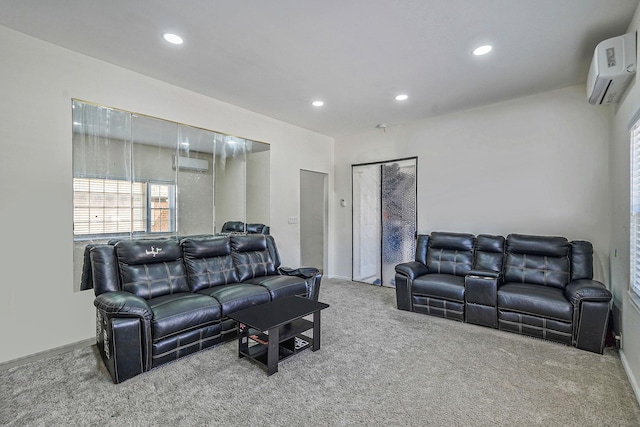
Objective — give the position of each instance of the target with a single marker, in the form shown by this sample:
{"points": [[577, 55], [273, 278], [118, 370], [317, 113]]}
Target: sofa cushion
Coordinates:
{"points": [[208, 262], [444, 286], [281, 286], [536, 300], [450, 253], [182, 312], [237, 296], [537, 269], [151, 268], [251, 256]]}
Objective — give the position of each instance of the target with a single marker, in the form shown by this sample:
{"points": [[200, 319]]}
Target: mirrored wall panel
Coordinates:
{"points": [[136, 176]]}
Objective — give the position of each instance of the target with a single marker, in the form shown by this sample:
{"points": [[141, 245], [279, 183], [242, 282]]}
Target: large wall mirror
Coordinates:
{"points": [[136, 176]]}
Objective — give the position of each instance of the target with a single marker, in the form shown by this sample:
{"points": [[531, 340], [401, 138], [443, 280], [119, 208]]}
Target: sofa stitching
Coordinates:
{"points": [[180, 331]]}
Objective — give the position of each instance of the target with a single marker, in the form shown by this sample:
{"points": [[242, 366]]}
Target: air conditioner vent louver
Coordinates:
{"points": [[189, 164]]}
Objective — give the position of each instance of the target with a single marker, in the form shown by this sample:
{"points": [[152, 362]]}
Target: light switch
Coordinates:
{"points": [[293, 220]]}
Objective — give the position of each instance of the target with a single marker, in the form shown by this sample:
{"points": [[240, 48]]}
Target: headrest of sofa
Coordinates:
{"points": [[208, 247], [232, 227], [452, 241], [256, 228], [537, 245], [248, 242], [489, 243], [135, 252]]}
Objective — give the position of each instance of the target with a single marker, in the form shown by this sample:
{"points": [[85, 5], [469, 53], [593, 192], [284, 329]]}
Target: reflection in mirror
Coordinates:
{"points": [[136, 176]]}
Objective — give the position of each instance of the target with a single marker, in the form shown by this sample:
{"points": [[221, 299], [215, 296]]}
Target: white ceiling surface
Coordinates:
{"points": [[275, 57]]}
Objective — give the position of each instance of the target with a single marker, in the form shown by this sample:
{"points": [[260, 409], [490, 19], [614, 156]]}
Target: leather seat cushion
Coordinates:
{"points": [[536, 300], [281, 286], [181, 312], [445, 286], [237, 296]]}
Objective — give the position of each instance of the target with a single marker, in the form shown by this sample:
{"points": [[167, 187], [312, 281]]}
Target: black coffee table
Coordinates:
{"points": [[269, 333]]}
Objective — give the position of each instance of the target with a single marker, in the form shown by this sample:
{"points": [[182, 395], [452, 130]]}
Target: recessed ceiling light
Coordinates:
{"points": [[172, 38], [402, 97], [482, 50], [317, 103]]}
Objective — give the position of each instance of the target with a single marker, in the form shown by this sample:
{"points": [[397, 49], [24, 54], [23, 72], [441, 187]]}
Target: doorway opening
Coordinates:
{"points": [[313, 219], [384, 218]]}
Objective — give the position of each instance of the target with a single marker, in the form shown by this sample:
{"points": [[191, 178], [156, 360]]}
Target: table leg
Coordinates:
{"points": [[243, 340], [273, 352], [316, 331]]}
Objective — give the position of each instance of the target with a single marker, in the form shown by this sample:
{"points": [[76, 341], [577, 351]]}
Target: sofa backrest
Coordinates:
{"points": [[232, 227], [208, 262], [251, 256], [257, 228], [450, 253], [422, 244], [151, 268], [581, 260], [104, 269], [539, 260], [489, 253]]}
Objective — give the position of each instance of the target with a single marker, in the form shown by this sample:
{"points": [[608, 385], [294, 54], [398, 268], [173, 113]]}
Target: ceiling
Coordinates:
{"points": [[276, 57]]}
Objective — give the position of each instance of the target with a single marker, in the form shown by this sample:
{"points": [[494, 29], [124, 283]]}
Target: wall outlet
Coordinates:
{"points": [[293, 220]]}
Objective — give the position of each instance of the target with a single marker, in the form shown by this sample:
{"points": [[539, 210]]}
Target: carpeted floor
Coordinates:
{"points": [[377, 366]]}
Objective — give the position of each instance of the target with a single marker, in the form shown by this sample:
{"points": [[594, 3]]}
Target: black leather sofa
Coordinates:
{"points": [[540, 286], [241, 227], [159, 300]]}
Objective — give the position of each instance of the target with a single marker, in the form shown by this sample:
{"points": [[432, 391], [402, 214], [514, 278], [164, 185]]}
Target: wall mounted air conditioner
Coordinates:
{"points": [[612, 67], [186, 163]]}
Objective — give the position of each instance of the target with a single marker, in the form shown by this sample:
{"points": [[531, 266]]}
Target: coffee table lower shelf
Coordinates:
{"points": [[254, 344], [259, 352]]}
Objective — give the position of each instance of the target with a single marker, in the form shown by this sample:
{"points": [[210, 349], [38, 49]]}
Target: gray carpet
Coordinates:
{"points": [[377, 366]]}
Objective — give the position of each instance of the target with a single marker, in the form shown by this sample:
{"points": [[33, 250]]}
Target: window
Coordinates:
{"points": [[109, 207], [635, 208]]}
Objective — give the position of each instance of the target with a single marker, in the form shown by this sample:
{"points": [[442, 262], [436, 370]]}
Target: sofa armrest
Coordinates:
{"points": [[311, 276], [412, 269], [590, 300], [586, 290], [123, 304], [304, 272]]}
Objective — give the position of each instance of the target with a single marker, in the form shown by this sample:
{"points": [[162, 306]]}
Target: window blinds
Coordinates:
{"points": [[635, 208]]}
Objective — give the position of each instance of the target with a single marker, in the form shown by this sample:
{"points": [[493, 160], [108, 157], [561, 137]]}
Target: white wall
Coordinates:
{"points": [[620, 180], [39, 309], [535, 165]]}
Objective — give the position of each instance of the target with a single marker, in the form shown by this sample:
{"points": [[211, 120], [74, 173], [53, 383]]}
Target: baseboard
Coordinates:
{"points": [[338, 277], [632, 378], [47, 353]]}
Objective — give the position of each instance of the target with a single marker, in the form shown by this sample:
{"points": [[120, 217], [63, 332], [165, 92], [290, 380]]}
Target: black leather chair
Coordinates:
{"points": [[241, 227]]}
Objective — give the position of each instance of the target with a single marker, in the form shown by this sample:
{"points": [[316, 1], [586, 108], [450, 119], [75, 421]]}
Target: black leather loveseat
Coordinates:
{"points": [[540, 286], [241, 227], [159, 300]]}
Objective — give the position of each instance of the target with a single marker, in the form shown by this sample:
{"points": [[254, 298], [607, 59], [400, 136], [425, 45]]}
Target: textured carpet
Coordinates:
{"points": [[377, 366]]}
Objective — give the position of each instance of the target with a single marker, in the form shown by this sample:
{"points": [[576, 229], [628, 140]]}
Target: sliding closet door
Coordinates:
{"points": [[384, 219], [367, 228]]}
